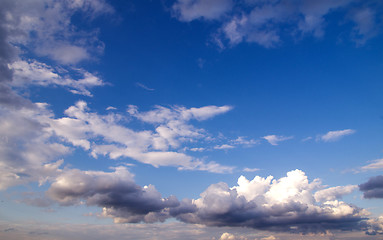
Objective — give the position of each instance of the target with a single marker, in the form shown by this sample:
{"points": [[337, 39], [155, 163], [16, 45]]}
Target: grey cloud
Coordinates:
{"points": [[116, 192], [373, 188]]}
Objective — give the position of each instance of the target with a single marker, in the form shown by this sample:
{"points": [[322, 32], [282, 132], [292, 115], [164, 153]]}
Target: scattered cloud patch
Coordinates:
{"points": [[332, 136], [274, 139], [224, 147], [251, 169], [144, 86], [374, 165], [189, 10], [33, 72]]}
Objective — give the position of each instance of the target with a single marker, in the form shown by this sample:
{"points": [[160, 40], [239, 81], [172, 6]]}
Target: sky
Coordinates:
{"points": [[191, 119]]}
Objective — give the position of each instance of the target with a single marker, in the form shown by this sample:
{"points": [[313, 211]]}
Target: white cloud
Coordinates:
{"points": [[374, 165], [251, 169], [243, 141], [274, 139], [81, 127], [331, 194], [224, 147], [144, 86], [332, 136], [33, 72], [189, 10]]}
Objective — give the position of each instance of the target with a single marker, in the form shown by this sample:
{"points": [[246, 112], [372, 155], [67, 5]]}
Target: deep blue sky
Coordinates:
{"points": [[119, 110]]}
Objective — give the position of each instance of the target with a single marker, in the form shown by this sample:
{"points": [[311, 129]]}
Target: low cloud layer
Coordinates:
{"points": [[289, 204]]}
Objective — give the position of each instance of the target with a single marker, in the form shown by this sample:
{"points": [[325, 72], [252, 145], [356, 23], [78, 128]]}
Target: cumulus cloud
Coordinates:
{"points": [[263, 22], [373, 188], [287, 204], [274, 139]]}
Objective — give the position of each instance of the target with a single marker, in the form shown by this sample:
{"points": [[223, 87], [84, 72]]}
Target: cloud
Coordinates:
{"points": [[144, 86], [251, 169], [333, 193], [81, 128], [189, 10], [27, 150], [264, 22], [287, 204], [274, 139], [116, 192], [224, 147], [332, 136], [45, 27], [376, 164], [33, 72], [373, 188], [243, 141]]}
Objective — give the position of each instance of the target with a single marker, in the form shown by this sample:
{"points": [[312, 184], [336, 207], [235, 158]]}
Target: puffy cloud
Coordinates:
{"points": [[116, 192], [274, 139], [263, 22], [189, 10], [336, 135], [286, 204], [373, 188], [229, 236], [82, 127]]}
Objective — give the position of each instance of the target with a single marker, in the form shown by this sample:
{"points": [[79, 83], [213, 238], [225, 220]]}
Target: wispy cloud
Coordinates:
{"points": [[144, 86], [332, 136], [251, 169], [262, 22], [374, 165], [274, 139]]}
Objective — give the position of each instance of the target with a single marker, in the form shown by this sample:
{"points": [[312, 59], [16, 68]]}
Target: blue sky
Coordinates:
{"points": [[186, 119]]}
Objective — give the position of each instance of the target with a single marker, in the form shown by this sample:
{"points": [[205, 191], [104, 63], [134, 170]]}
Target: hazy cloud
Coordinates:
{"points": [[189, 10], [274, 139], [263, 22], [332, 136]]}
